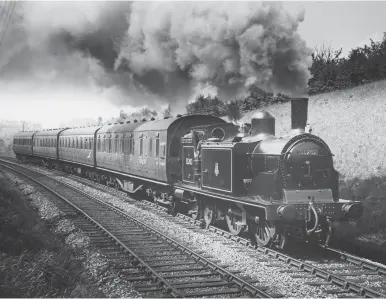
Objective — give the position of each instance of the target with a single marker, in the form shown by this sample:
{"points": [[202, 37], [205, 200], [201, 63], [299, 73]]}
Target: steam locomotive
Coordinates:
{"points": [[272, 187]]}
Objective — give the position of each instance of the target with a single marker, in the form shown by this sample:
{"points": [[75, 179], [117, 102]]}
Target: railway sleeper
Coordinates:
{"points": [[213, 292], [194, 274], [183, 269], [173, 264], [183, 258], [143, 255]]}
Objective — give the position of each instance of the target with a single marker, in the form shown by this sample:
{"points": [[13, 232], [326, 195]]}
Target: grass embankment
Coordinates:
{"points": [[34, 262], [353, 123]]}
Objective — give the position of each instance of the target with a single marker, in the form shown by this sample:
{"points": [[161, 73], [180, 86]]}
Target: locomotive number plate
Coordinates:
{"points": [[308, 152]]}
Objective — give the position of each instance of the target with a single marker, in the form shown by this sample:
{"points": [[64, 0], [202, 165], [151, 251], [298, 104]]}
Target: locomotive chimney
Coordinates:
{"points": [[299, 114]]}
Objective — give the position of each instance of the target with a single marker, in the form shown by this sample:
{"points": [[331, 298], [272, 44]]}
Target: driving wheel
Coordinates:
{"points": [[234, 226]]}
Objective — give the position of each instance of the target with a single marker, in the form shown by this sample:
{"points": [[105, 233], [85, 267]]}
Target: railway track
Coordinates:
{"points": [[156, 264], [350, 273]]}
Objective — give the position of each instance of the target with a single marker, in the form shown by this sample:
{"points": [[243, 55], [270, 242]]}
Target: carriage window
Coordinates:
{"points": [[123, 144], [150, 147], [174, 150], [141, 146], [130, 149], [85, 143], [55, 142], [157, 147], [109, 145], [99, 144], [91, 142], [81, 143], [116, 144]]}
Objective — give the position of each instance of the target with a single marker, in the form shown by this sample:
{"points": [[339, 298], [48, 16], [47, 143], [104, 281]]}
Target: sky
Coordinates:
{"points": [[342, 24], [339, 24]]}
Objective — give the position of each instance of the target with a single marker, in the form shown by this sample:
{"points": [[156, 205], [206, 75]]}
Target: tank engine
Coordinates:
{"points": [[273, 186]]}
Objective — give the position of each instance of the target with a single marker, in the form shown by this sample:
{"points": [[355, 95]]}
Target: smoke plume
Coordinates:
{"points": [[156, 52]]}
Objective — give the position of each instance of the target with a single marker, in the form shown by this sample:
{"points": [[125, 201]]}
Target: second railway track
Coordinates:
{"points": [[351, 279]]}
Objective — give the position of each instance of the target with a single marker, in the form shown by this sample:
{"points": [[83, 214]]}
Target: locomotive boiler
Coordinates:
{"points": [[275, 187]]}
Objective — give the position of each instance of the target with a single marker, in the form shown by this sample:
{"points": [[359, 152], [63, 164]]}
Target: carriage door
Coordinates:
{"points": [[174, 162]]}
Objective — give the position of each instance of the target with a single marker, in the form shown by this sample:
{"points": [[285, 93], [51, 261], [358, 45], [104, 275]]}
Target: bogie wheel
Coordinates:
{"points": [[233, 226], [264, 233], [196, 208], [209, 213]]}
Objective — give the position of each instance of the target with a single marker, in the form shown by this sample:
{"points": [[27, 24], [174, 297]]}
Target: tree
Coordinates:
{"points": [[207, 105], [233, 110], [100, 121], [146, 112], [167, 111], [122, 116]]}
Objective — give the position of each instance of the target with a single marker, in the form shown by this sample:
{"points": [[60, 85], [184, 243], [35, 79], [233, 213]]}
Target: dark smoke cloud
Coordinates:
{"points": [[228, 45], [146, 52]]}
